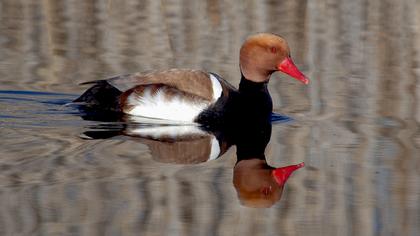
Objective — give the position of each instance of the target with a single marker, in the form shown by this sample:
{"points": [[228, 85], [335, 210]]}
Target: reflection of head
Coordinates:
{"points": [[256, 182]]}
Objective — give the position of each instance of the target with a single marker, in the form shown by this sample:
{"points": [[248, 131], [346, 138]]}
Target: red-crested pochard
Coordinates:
{"points": [[195, 96]]}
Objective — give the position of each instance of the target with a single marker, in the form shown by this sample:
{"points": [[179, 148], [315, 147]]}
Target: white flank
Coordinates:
{"points": [[158, 107], [217, 87], [215, 149]]}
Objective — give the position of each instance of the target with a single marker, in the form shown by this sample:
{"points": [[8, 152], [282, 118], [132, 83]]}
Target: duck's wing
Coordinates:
{"points": [[195, 82]]}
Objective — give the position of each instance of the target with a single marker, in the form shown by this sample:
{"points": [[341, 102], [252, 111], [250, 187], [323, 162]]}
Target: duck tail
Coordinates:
{"points": [[101, 95]]}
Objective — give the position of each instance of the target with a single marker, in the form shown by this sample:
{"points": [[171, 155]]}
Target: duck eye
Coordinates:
{"points": [[273, 49]]}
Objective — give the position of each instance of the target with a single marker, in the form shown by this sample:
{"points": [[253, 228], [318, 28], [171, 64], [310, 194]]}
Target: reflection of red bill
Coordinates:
{"points": [[287, 66], [282, 174]]}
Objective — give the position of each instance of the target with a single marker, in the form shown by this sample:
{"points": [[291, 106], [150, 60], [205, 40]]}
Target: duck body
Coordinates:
{"points": [[181, 96]]}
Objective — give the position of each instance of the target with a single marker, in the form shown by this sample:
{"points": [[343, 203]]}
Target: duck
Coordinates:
{"points": [[189, 96]]}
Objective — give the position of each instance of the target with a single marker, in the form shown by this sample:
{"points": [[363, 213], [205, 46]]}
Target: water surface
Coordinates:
{"points": [[356, 125]]}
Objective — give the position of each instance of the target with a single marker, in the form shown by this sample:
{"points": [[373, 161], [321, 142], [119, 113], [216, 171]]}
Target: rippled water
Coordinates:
{"points": [[356, 126]]}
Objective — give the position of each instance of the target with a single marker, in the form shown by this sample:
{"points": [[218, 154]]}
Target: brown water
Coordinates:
{"points": [[356, 126]]}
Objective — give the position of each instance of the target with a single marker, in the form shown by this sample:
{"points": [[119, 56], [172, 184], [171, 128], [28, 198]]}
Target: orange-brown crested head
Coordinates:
{"points": [[264, 53]]}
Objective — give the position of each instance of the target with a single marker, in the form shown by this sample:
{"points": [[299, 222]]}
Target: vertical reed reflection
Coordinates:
{"points": [[357, 122]]}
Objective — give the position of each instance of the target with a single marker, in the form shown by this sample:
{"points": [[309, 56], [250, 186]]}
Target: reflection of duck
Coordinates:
{"points": [[176, 144], [193, 96], [257, 183]]}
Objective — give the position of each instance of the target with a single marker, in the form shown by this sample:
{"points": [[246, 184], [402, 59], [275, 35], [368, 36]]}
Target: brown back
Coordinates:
{"points": [[194, 82]]}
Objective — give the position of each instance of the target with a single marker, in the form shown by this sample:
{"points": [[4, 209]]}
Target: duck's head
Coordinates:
{"points": [[263, 54]]}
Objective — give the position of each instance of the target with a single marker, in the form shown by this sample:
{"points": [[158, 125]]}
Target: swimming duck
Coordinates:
{"points": [[194, 96]]}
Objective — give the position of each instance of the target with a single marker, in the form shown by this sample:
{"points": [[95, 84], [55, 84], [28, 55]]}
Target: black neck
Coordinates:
{"points": [[253, 103], [249, 86]]}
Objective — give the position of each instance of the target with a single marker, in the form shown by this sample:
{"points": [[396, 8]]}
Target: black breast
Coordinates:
{"points": [[250, 104]]}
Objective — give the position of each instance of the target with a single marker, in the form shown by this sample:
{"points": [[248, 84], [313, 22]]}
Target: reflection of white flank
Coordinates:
{"points": [[215, 149], [156, 132], [154, 121], [216, 86]]}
